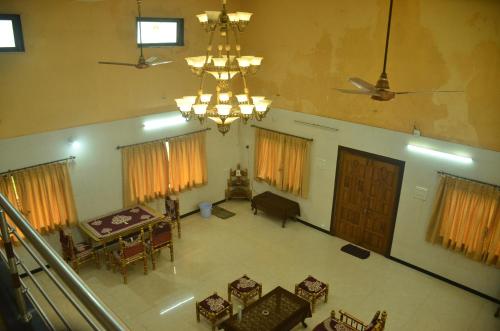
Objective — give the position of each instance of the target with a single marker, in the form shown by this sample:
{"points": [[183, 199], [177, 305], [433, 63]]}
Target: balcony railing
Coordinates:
{"points": [[90, 307]]}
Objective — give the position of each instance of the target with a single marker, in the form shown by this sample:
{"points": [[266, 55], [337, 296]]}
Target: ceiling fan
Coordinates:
{"points": [[381, 91], [142, 63]]}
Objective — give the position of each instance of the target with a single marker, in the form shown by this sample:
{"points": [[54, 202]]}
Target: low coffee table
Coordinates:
{"points": [[278, 310], [276, 205]]}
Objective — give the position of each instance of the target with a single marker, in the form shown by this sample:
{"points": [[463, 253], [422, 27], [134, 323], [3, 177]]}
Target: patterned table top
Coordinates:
{"points": [[118, 223]]}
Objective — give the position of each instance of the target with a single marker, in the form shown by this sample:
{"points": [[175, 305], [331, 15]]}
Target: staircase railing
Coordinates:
{"points": [[98, 310]]}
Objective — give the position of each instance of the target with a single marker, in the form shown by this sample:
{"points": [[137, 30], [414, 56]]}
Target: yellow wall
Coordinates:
{"points": [[309, 47], [57, 82]]}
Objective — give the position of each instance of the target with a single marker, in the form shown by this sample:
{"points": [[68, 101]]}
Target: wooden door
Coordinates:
{"points": [[366, 197]]}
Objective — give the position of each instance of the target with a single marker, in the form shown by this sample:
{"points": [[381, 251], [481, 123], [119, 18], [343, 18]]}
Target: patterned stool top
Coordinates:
{"points": [[214, 304], [244, 284], [312, 285]]}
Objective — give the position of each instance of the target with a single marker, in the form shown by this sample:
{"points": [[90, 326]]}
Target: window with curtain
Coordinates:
{"points": [[188, 162], [44, 195], [282, 161], [145, 172], [466, 219]]}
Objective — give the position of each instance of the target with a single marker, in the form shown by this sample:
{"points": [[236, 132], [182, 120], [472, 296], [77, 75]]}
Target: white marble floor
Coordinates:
{"points": [[213, 252]]}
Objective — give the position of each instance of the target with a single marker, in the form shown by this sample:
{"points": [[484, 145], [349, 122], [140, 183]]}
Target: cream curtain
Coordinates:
{"points": [[466, 218], [188, 162], [46, 196], [145, 172], [282, 161]]}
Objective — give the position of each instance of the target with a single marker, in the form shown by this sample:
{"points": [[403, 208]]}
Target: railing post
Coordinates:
{"points": [[16, 281]]}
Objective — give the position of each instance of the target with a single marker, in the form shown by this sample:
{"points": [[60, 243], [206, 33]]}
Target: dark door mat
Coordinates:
{"points": [[221, 212], [356, 251]]}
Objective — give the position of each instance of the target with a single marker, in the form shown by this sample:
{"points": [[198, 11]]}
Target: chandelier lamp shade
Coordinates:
{"points": [[228, 68]]}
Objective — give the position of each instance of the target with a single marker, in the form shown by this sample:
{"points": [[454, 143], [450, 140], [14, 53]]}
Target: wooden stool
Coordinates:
{"points": [[213, 308], [311, 290], [244, 288]]}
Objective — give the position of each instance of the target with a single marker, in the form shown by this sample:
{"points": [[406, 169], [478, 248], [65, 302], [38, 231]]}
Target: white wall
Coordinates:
{"points": [[409, 237], [96, 172]]}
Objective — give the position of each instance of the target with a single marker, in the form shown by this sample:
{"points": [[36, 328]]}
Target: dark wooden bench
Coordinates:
{"points": [[275, 205]]}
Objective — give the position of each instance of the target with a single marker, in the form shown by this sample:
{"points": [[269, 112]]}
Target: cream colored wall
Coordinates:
{"points": [[310, 47], [411, 224], [57, 82], [96, 172]]}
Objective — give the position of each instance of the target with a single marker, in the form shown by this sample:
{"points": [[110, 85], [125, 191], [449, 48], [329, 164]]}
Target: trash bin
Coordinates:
{"points": [[205, 209]]}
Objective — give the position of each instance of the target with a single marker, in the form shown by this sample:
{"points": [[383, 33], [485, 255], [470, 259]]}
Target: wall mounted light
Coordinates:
{"points": [[75, 144], [163, 122], [438, 154]]}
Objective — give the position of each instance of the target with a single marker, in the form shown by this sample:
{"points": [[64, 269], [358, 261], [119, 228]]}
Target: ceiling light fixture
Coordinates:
{"points": [[224, 62], [441, 155]]}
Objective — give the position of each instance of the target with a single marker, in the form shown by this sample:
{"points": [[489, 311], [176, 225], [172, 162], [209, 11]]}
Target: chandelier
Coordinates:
{"points": [[224, 62]]}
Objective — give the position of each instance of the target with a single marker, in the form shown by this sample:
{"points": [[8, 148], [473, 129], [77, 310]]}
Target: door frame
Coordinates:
{"points": [[401, 166]]}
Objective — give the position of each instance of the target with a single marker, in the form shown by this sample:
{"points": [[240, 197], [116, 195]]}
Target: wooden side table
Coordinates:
{"points": [[245, 289]]}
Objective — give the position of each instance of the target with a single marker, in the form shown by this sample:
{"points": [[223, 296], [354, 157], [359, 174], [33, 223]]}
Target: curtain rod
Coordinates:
{"points": [[469, 179], [287, 134], [37, 165], [163, 139]]}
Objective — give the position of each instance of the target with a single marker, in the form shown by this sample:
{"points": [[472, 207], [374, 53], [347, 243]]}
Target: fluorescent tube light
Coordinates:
{"points": [[176, 305], [163, 122], [438, 154]]}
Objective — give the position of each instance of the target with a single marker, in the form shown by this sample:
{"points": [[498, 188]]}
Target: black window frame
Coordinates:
{"points": [[180, 31], [18, 32]]}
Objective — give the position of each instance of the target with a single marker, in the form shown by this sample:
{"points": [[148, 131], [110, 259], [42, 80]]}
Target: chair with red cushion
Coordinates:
{"points": [[348, 322], [160, 237], [131, 250], [172, 211], [76, 254]]}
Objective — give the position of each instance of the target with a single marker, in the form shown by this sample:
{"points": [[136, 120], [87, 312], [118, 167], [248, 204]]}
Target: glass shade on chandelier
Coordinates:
{"points": [[224, 62]]}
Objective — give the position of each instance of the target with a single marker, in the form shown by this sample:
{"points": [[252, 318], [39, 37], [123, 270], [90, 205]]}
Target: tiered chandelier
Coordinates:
{"points": [[224, 62]]}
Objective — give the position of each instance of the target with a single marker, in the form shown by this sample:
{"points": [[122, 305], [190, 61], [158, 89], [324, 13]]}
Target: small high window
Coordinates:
{"points": [[157, 32], [11, 34]]}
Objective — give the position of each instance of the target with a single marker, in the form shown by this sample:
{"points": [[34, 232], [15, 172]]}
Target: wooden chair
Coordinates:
{"points": [[76, 254], [172, 211], [130, 251], [350, 323], [160, 236]]}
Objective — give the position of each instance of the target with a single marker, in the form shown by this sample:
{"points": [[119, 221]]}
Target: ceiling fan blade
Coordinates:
{"points": [[151, 59], [118, 63], [362, 84], [362, 91], [158, 63], [437, 91]]}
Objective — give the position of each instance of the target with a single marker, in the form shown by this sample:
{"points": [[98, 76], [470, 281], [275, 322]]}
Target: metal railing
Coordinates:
{"points": [[98, 310]]}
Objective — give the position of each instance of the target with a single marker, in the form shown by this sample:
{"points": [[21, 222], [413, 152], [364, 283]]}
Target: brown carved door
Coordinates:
{"points": [[366, 197]]}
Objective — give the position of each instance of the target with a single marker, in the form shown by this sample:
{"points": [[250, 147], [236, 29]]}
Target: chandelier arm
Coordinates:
{"points": [[236, 40], [209, 47]]}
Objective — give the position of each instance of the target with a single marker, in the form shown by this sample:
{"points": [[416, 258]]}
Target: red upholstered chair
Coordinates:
{"points": [[348, 322], [130, 251], [76, 254], [172, 211], [160, 236]]}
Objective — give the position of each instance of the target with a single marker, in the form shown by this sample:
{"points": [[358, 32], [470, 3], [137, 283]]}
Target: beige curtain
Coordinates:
{"points": [[466, 218], [188, 162], [282, 161], [145, 172], [46, 196]]}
